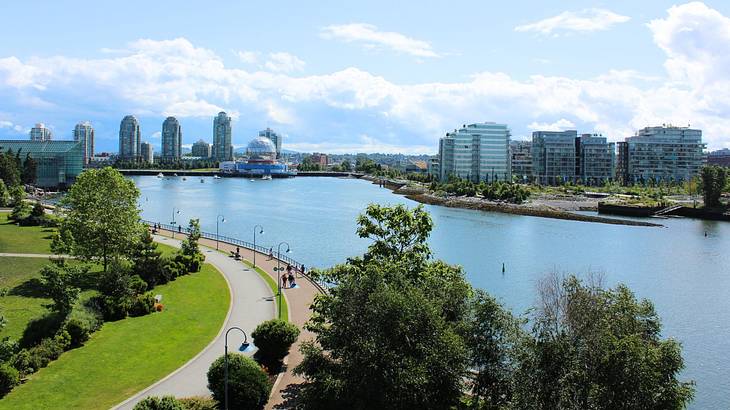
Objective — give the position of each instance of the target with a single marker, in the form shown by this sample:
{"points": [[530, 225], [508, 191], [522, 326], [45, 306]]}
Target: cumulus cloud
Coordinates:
{"points": [[584, 20], [248, 57], [284, 62], [15, 128], [371, 37], [559, 125]]}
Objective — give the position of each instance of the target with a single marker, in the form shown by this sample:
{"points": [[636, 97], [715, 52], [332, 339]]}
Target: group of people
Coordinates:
{"points": [[288, 276]]}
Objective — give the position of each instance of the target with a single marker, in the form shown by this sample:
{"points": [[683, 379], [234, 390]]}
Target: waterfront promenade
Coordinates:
{"points": [[251, 293]]}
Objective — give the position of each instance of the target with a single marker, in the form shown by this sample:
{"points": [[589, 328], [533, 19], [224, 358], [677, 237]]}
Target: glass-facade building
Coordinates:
{"points": [[274, 137], [147, 152], [129, 139], [59, 162], [477, 152], [222, 145], [661, 154], [201, 149], [521, 158], [596, 159], [84, 133], [171, 139], [554, 156], [40, 133]]}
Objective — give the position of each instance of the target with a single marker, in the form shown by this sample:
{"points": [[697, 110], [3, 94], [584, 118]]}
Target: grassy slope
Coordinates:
{"points": [[126, 356], [27, 239], [18, 306]]}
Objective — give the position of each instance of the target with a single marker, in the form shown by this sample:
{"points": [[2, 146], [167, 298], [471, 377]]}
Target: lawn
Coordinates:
{"points": [[25, 239], [22, 302], [128, 355]]}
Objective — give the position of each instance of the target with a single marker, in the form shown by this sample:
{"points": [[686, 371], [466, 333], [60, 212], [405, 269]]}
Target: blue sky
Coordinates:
{"points": [[366, 76]]}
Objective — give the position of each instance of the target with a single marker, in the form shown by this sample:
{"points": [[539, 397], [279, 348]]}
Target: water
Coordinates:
{"points": [[685, 273]]}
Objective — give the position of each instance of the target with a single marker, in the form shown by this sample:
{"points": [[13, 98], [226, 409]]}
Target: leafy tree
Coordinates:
{"points": [[159, 403], [346, 166], [387, 333], [714, 179], [597, 348], [58, 282], [248, 384], [9, 378], [21, 209], [5, 199], [190, 255], [102, 219], [274, 338], [9, 170], [30, 169]]}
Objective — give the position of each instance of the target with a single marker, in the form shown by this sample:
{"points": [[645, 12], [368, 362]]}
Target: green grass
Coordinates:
{"points": [[274, 288], [128, 355], [17, 305], [23, 239]]}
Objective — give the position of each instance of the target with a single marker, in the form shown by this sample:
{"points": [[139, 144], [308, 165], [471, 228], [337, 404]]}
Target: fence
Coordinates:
{"points": [[243, 244]]}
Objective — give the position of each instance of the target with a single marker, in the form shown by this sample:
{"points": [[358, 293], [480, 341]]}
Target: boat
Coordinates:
{"points": [[202, 180], [251, 179], [175, 174], [216, 177], [160, 175], [266, 177]]}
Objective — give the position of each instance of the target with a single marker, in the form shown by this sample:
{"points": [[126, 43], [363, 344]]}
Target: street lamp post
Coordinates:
{"points": [[261, 231], [219, 218], [279, 269], [244, 346], [174, 211]]}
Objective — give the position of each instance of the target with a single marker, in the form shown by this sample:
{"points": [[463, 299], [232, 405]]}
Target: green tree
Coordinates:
{"points": [[346, 166], [102, 219], [597, 348], [274, 338], [714, 179], [30, 168], [159, 403], [147, 260], [59, 284], [9, 171], [248, 384], [5, 198], [387, 332], [190, 254]]}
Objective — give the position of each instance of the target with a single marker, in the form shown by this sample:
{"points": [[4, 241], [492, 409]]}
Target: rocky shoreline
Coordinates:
{"points": [[537, 208]]}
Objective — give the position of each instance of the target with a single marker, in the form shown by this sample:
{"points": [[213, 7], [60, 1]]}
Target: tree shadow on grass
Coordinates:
{"points": [[31, 288], [41, 328]]}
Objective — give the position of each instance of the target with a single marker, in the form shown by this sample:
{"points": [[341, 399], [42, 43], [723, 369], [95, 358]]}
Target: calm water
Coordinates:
{"points": [[686, 274]]}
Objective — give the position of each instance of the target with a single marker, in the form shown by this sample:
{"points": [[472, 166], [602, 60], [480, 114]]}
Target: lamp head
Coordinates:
{"points": [[244, 347], [223, 219], [287, 249], [261, 231]]}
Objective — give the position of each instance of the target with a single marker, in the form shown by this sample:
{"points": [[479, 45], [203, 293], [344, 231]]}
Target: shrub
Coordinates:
{"points": [[8, 347], [78, 331], [24, 362], [48, 350], [274, 338], [63, 338], [143, 304], [248, 385], [198, 403], [159, 403], [9, 378], [137, 285]]}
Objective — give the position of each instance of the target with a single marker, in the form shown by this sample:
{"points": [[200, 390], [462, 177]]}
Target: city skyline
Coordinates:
{"points": [[355, 81]]}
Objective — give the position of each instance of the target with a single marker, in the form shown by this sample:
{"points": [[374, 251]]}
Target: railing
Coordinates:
{"points": [[242, 244]]}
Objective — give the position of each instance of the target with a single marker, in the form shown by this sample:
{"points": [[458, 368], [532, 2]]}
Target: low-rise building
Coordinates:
{"points": [[201, 149], [719, 157], [661, 154], [433, 167], [59, 162], [319, 159]]}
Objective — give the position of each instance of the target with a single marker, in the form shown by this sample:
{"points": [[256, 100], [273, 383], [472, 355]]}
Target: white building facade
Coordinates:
{"points": [[477, 152]]}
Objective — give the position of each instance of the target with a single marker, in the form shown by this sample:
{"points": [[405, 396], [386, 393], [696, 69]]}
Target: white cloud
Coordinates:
{"points": [[584, 20], [248, 57], [559, 125], [9, 125], [284, 62], [371, 37], [156, 134]]}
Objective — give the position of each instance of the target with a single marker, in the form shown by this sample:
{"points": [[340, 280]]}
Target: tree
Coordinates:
{"points": [[9, 378], [58, 282], [147, 260], [190, 254], [387, 332], [597, 348], [102, 220], [248, 385], [159, 403], [5, 199], [274, 338], [346, 166], [713, 183], [9, 171], [30, 168]]}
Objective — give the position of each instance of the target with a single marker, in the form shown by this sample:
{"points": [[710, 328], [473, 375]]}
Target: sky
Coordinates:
{"points": [[365, 76]]}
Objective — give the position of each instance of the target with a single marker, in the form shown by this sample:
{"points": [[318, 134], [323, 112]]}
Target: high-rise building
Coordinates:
{"points": [[478, 152], [40, 133], [129, 139], [521, 160], [274, 137], [596, 159], [84, 133], [59, 162], [434, 167], [171, 139], [201, 149], [222, 145], [661, 154], [554, 156], [147, 152]]}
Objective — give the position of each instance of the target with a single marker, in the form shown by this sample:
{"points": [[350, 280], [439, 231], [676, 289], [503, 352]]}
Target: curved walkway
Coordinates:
{"points": [[251, 304]]}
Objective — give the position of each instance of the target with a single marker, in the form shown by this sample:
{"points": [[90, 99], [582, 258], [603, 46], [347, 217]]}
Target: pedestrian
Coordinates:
{"points": [[238, 252], [271, 253], [283, 280], [302, 271], [179, 229], [291, 279]]}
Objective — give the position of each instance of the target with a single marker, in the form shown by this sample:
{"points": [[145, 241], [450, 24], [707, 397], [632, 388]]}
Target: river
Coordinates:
{"points": [[684, 267]]}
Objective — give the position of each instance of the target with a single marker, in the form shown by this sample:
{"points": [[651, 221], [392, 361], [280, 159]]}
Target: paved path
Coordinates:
{"points": [[251, 304]]}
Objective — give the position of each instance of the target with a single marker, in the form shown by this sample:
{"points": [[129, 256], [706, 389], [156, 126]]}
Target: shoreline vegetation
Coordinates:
{"points": [[555, 209]]}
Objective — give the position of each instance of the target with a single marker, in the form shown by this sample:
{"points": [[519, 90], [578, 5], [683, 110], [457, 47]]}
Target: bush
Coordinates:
{"points": [[25, 363], [48, 350], [78, 331], [248, 385], [9, 378], [274, 338], [159, 403], [8, 347], [143, 304], [198, 403]]}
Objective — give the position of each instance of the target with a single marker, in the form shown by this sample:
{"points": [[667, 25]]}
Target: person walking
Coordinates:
{"points": [[302, 271], [283, 280], [271, 253], [291, 279]]}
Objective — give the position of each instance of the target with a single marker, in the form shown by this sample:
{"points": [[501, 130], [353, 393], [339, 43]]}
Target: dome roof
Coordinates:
{"points": [[260, 146]]}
